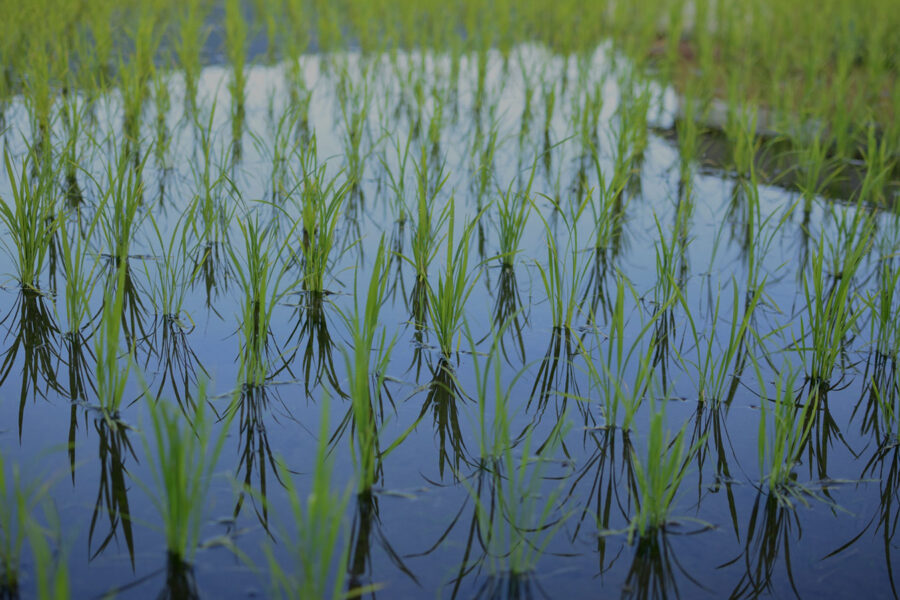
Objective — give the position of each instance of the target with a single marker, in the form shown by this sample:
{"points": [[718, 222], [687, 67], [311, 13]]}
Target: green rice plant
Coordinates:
{"points": [[816, 171], [719, 360], [320, 544], [207, 212], [169, 284], [236, 53], [366, 377], [883, 308], [830, 315], [321, 201], [513, 210], [80, 280], [397, 180], [260, 279], [120, 206], [447, 303], [183, 453], [879, 165], [188, 46], [363, 327], [608, 208], [162, 101], [741, 129], [17, 524], [50, 568], [111, 374], [515, 515], [14, 508], [783, 436], [31, 220], [428, 222], [564, 272], [623, 361], [354, 101], [658, 477]]}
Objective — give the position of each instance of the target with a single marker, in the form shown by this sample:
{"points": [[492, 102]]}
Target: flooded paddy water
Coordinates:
{"points": [[569, 341]]}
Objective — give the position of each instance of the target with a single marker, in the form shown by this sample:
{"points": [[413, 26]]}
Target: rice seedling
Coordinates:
{"points": [[80, 280], [429, 221], [173, 274], [882, 305], [719, 361], [188, 46], [366, 377], [260, 280], [446, 302], [112, 376], [51, 570], [564, 272], [13, 515], [30, 218], [830, 315], [319, 544], [397, 179], [658, 477], [18, 501], [516, 516], [321, 201], [183, 455], [235, 50], [121, 205], [781, 441], [512, 217]]}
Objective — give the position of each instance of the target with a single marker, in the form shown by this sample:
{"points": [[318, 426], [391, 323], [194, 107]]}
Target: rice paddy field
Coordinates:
{"points": [[534, 299]]}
